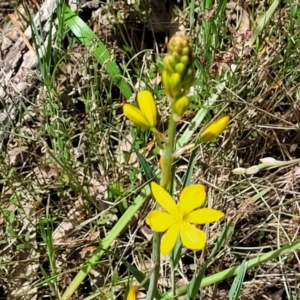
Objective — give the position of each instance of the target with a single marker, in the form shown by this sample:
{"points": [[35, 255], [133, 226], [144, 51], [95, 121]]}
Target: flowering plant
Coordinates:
{"points": [[176, 221]]}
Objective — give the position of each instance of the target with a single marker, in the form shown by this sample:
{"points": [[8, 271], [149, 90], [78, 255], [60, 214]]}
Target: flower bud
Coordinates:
{"points": [[188, 79], [169, 64], [180, 68], [146, 116], [175, 85], [165, 82], [135, 115], [186, 51], [185, 59], [214, 129], [253, 170], [148, 107], [269, 160], [181, 105], [239, 171]]}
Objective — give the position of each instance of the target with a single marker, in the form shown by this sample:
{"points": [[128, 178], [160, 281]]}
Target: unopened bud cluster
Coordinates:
{"points": [[179, 74]]}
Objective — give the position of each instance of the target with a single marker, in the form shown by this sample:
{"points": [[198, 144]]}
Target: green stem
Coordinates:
{"points": [[156, 259], [164, 182], [168, 155], [173, 290]]}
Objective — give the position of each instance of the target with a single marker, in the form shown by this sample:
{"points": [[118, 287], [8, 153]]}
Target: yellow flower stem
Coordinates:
{"points": [[164, 182]]}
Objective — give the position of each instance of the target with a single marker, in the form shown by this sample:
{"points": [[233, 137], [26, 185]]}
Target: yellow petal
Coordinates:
{"points": [[164, 199], [148, 107], [192, 197], [214, 129], [136, 116], [169, 239], [205, 215], [160, 221], [132, 292], [192, 237]]}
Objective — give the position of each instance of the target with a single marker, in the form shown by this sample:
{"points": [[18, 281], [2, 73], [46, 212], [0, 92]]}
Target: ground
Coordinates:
{"points": [[71, 165]]}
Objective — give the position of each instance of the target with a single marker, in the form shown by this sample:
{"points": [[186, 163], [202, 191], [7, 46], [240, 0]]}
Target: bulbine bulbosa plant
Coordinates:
{"points": [[174, 222]]}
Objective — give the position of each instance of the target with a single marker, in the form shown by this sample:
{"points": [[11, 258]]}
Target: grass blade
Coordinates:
{"points": [[238, 282], [106, 242], [257, 261]]}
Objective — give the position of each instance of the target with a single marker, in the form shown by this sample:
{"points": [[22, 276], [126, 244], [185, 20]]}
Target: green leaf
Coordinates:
{"points": [[238, 282], [194, 286], [189, 172], [176, 253]]}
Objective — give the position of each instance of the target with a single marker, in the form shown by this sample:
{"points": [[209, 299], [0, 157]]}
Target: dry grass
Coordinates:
{"points": [[68, 171]]}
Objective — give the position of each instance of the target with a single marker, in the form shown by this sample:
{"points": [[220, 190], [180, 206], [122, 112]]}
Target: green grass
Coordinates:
{"points": [[85, 169]]}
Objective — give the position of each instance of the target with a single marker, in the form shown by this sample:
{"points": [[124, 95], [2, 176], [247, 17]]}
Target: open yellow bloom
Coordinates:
{"points": [[178, 218], [214, 129], [145, 116]]}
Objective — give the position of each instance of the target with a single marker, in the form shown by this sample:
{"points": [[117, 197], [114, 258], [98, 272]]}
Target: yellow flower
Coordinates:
{"points": [[214, 129], [177, 219], [145, 116], [132, 292]]}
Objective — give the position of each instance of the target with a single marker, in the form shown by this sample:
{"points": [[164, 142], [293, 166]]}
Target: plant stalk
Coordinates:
{"points": [[164, 182]]}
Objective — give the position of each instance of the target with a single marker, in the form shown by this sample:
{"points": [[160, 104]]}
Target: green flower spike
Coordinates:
{"points": [[145, 116], [179, 74], [214, 129]]}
